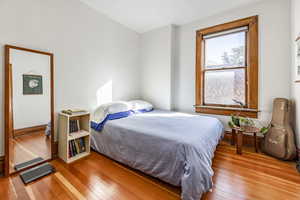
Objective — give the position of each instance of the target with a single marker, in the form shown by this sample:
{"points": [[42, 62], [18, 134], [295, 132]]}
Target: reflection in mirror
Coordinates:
{"points": [[30, 139]]}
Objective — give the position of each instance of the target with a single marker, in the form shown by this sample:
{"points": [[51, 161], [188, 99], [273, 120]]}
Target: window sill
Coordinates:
{"points": [[245, 112]]}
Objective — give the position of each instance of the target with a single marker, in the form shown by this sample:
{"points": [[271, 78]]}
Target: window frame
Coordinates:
{"points": [[251, 69]]}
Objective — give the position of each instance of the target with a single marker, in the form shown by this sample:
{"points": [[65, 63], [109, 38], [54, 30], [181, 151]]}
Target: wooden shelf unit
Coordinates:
{"points": [[64, 135]]}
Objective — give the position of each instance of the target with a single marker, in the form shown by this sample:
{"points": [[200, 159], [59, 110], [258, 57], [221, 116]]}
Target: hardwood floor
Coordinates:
{"points": [[27, 147], [250, 176]]}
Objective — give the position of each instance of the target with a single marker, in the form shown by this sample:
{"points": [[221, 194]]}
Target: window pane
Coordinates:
{"points": [[222, 86], [225, 51]]}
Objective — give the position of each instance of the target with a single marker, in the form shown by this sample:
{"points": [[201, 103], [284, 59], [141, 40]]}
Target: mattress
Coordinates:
{"points": [[175, 147]]}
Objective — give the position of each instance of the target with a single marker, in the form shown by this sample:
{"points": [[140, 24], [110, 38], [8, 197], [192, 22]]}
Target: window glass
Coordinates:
{"points": [[225, 51], [221, 87]]}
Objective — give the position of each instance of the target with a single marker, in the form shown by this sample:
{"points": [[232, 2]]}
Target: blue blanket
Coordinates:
{"points": [[119, 115]]}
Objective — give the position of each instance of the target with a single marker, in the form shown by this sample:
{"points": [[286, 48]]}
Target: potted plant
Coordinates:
{"points": [[239, 122]]}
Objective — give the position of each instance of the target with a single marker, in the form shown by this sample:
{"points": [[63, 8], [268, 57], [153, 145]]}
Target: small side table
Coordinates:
{"points": [[237, 136]]}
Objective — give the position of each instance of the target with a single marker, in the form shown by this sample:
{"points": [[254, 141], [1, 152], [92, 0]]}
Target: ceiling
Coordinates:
{"points": [[145, 15]]}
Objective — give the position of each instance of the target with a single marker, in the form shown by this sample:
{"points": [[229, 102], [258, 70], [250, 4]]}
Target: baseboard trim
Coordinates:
{"points": [[24, 131]]}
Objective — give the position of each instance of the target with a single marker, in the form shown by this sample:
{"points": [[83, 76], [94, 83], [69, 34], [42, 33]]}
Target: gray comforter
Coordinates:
{"points": [[174, 147]]}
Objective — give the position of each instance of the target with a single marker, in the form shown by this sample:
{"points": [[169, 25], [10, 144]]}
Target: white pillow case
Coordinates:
{"points": [[110, 108], [141, 105]]}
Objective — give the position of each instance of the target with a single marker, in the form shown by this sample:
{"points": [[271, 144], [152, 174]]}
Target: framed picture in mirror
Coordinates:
{"points": [[32, 84]]}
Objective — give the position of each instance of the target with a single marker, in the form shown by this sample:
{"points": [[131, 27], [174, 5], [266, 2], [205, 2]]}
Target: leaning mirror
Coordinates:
{"points": [[29, 107]]}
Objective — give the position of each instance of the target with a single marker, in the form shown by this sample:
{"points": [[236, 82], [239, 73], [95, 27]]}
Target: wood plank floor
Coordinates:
{"points": [[27, 147], [250, 176]]}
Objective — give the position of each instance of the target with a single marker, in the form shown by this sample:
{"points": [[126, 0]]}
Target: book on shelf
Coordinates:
{"points": [[82, 143], [76, 146], [70, 150], [74, 126]]}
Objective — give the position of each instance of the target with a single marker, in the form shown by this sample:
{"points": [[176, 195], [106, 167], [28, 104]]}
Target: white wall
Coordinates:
{"points": [[156, 66], [274, 54], [274, 58], [89, 50], [30, 110], [295, 87]]}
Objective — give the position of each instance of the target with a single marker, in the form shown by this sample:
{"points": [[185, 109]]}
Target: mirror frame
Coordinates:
{"points": [[8, 105]]}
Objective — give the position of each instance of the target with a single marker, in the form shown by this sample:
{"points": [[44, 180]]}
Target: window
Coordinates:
{"points": [[227, 68]]}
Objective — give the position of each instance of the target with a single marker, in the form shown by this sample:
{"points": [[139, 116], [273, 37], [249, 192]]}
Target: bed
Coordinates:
{"points": [[175, 147]]}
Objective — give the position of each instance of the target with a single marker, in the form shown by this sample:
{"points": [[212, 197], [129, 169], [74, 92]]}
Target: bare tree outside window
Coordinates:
{"points": [[237, 56]]}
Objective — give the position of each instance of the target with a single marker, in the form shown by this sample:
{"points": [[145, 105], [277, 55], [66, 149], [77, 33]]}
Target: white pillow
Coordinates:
{"points": [[119, 106], [110, 108], [141, 105]]}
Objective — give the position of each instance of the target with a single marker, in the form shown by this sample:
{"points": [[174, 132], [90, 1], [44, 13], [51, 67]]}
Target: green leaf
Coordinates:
{"points": [[230, 124], [264, 130]]}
